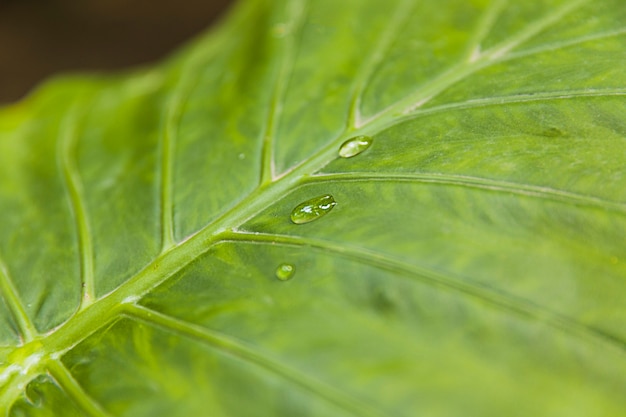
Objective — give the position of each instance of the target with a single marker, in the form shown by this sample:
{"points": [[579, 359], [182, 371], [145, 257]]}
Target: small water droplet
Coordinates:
{"points": [[241, 156], [312, 209], [285, 272], [354, 146]]}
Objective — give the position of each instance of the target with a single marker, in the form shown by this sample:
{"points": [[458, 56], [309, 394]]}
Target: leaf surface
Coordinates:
{"points": [[474, 263]]}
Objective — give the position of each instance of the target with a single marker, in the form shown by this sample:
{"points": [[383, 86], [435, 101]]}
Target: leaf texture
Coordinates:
{"points": [[474, 263]]}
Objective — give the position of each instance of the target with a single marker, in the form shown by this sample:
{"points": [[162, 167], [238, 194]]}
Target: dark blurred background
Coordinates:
{"points": [[39, 38]]}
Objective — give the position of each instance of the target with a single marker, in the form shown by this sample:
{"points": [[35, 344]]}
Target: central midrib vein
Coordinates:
{"points": [[169, 262]]}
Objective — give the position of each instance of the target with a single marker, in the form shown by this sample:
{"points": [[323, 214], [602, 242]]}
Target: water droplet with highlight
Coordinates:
{"points": [[354, 146], [312, 209], [285, 272]]}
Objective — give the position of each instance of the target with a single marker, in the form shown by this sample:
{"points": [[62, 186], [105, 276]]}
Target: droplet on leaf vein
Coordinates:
{"points": [[312, 209]]}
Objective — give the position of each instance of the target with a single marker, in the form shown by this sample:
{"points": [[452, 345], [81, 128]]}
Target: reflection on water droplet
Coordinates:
{"points": [[312, 209], [285, 272], [354, 146]]}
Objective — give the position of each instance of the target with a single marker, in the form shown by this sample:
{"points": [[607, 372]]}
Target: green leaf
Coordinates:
{"points": [[473, 263]]}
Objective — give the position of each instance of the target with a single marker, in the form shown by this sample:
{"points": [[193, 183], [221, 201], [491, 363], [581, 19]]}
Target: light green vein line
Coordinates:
{"points": [[74, 191], [167, 145], [9, 293], [436, 279], [500, 100], [12, 383], [534, 28], [464, 69], [484, 25], [237, 349], [388, 35], [189, 76], [74, 390], [287, 40], [474, 182], [550, 47]]}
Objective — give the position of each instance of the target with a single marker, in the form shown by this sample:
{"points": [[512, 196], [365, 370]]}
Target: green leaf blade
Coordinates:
{"points": [[473, 263]]}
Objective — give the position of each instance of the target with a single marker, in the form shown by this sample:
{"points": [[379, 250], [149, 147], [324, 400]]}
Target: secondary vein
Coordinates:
{"points": [[287, 40], [474, 182], [167, 145], [435, 278], [75, 195], [13, 301], [238, 349], [484, 25], [464, 69], [74, 390], [388, 35]]}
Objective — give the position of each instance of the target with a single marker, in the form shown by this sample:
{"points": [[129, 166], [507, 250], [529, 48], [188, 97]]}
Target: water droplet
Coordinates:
{"points": [[241, 156], [285, 272], [312, 209], [354, 146]]}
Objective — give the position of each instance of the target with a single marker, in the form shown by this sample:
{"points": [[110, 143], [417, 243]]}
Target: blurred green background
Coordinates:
{"points": [[39, 38]]}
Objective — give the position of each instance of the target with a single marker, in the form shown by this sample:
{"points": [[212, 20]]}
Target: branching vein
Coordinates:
{"points": [[75, 195], [288, 34], [238, 349], [555, 46], [534, 28], [464, 69], [484, 25], [516, 98], [375, 57], [474, 182], [437, 279], [167, 146], [74, 390], [14, 303]]}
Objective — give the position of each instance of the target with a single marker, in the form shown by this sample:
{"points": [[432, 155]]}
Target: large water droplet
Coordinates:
{"points": [[354, 146], [285, 272], [312, 209]]}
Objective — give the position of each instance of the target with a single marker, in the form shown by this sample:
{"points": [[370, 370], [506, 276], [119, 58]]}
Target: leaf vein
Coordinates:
{"points": [[433, 278], [167, 148], [66, 148], [281, 81], [475, 182], [551, 47], [240, 350], [388, 35], [74, 390], [464, 69], [16, 307], [534, 28], [484, 25]]}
